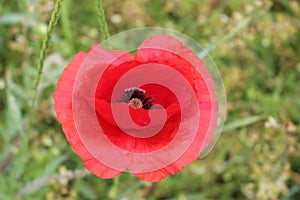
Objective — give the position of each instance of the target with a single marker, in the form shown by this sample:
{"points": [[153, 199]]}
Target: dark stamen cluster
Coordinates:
{"points": [[137, 93]]}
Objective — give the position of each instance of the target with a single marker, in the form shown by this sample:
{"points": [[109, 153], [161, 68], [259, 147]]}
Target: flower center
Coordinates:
{"points": [[136, 98], [135, 103]]}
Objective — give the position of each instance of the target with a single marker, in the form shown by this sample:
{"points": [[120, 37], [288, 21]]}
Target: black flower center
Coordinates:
{"points": [[137, 98]]}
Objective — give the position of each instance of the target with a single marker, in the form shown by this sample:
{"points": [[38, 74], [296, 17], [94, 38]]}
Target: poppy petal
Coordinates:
{"points": [[207, 102], [63, 107]]}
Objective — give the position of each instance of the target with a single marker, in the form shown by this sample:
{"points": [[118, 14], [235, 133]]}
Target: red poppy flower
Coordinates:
{"points": [[152, 113]]}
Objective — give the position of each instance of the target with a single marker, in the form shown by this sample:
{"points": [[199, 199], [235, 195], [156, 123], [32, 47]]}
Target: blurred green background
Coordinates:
{"points": [[258, 153]]}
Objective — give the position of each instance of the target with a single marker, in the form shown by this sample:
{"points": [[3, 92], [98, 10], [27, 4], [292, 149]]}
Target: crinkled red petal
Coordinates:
{"points": [[203, 86], [63, 107], [115, 133]]}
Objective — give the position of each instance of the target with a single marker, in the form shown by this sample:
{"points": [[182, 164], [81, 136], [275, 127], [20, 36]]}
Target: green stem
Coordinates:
{"points": [[66, 23], [113, 192], [102, 21], [45, 46]]}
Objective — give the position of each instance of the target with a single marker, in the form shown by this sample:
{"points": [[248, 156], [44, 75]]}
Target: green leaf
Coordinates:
{"points": [[243, 122], [85, 189], [226, 38], [54, 164], [130, 188], [293, 191], [18, 18], [14, 120]]}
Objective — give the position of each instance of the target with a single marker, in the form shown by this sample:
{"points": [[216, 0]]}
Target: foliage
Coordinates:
{"points": [[257, 156]]}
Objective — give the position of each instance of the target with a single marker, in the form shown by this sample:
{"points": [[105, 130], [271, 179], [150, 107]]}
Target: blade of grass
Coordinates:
{"points": [[130, 188], [18, 18], [243, 122], [43, 181], [14, 119], [226, 38]]}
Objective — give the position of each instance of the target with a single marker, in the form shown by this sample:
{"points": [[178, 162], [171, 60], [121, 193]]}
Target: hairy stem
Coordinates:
{"points": [[45, 46]]}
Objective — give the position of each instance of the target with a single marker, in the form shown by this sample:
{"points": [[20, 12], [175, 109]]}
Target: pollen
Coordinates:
{"points": [[136, 98], [135, 103]]}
